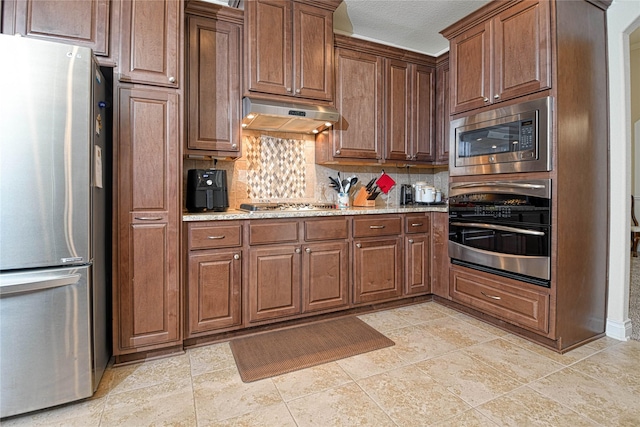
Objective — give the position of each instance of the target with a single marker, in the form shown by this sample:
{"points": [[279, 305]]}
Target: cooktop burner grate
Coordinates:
{"points": [[255, 207]]}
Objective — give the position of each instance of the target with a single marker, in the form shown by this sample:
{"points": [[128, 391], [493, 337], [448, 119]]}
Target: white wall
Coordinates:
{"points": [[622, 18]]}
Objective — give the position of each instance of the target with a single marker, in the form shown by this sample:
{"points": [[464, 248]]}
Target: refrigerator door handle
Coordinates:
{"points": [[24, 286]]}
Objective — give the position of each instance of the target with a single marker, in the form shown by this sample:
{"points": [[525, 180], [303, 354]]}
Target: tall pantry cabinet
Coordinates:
{"points": [[147, 153]]}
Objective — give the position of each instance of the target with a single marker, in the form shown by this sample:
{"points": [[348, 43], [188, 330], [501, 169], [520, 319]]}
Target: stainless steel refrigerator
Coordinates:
{"points": [[53, 186]]}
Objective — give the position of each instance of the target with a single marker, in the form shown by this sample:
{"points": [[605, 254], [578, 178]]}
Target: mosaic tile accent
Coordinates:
{"points": [[275, 168]]}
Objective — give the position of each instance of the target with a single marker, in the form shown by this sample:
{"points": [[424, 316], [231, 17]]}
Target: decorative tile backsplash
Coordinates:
{"points": [[275, 167]]}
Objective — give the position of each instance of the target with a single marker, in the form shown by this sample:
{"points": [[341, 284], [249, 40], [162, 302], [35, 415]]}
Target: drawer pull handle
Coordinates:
{"points": [[216, 237], [490, 296], [417, 224], [376, 227], [148, 218]]}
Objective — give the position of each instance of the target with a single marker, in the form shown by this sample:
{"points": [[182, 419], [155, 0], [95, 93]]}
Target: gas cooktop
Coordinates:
{"points": [[262, 207]]}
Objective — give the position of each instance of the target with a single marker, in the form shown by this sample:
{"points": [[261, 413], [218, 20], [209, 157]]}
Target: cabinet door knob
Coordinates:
{"points": [[298, 250], [338, 152], [486, 100], [234, 146], [236, 256], [358, 245], [297, 90], [308, 250], [496, 96], [288, 89], [172, 79], [410, 240]]}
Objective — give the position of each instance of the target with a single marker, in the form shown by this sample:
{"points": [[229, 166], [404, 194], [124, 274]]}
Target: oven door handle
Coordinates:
{"points": [[499, 227], [499, 184]]}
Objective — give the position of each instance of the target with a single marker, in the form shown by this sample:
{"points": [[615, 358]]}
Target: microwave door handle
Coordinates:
{"points": [[499, 227], [499, 184]]}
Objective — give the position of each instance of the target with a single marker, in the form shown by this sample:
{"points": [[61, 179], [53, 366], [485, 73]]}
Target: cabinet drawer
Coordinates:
{"points": [[377, 226], [326, 229], [507, 299], [214, 236], [417, 223], [264, 232]]}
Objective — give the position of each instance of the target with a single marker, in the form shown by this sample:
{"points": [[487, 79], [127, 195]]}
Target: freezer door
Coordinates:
{"points": [[45, 343], [45, 153]]}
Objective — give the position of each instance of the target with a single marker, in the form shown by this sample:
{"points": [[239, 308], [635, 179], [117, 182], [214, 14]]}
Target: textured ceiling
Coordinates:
{"points": [[410, 24]]}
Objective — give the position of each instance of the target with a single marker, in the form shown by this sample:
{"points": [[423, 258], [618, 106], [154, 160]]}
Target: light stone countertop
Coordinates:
{"points": [[240, 214]]}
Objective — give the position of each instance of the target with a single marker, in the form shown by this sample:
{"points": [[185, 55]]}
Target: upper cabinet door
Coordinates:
{"points": [[213, 85], [78, 22], [151, 40], [313, 52], [470, 57], [522, 50], [289, 48], [424, 110], [268, 40]]}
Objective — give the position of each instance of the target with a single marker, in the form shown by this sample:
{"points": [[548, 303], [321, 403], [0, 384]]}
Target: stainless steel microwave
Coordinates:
{"points": [[515, 138]]}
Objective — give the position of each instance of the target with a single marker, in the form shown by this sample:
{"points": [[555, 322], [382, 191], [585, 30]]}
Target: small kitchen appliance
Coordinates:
{"points": [[406, 194], [207, 190]]}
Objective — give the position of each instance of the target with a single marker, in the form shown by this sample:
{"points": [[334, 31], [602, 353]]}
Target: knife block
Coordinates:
{"points": [[361, 199]]}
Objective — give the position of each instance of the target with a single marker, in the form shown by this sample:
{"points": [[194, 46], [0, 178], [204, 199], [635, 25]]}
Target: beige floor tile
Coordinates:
{"points": [[457, 332], [412, 398], [471, 380], [145, 374], [471, 418], [481, 325], [513, 360], [420, 313], [311, 380], [211, 358], [525, 407], [565, 359], [600, 401], [602, 343], [221, 394], [346, 405], [277, 415], [168, 403], [618, 365], [371, 363], [85, 413], [384, 321], [414, 343]]}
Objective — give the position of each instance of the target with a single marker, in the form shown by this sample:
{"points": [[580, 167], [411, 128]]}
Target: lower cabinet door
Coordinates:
{"points": [[274, 282], [214, 291], [325, 276], [377, 269], [417, 262]]}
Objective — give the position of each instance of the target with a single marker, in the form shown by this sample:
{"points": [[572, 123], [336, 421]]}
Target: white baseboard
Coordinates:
{"points": [[619, 330]]}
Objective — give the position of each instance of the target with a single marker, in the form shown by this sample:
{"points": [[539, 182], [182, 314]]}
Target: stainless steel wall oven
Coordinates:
{"points": [[502, 227], [515, 138]]}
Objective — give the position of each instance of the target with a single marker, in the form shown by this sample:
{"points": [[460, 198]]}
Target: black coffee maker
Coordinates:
{"points": [[207, 190]]}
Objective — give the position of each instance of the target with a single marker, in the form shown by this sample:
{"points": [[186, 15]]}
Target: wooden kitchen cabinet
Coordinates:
{"points": [[440, 261], [359, 98], [417, 253], [377, 258], [325, 265], [151, 42], [289, 48], [214, 277], [442, 111], [516, 302], [76, 22], [146, 302], [214, 69], [502, 56], [410, 111]]}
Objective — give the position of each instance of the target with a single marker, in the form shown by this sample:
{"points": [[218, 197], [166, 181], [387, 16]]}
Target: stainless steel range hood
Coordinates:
{"points": [[279, 116]]}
